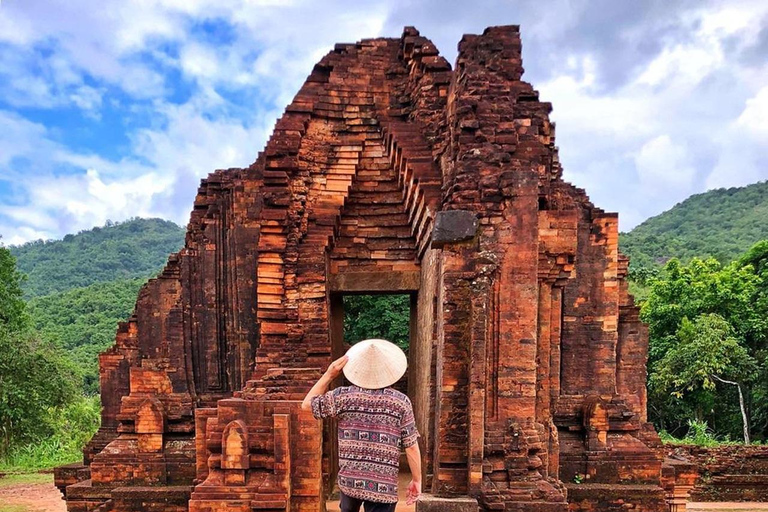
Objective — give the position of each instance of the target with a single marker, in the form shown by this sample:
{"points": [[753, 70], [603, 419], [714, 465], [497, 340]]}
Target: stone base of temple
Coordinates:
{"points": [[150, 499], [429, 503], [615, 497], [64, 476], [729, 473], [527, 506], [678, 476], [85, 497]]}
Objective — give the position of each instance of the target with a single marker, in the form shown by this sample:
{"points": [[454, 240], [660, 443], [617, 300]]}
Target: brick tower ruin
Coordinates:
{"points": [[389, 172]]}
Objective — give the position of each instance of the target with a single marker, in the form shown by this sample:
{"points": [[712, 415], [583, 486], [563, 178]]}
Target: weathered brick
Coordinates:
{"points": [[527, 358]]}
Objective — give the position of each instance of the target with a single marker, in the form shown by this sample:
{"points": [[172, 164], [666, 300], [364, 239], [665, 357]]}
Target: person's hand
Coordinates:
{"points": [[335, 368], [413, 493]]}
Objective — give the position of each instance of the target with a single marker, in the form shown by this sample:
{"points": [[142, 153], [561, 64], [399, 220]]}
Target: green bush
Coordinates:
{"points": [[699, 434], [71, 427]]}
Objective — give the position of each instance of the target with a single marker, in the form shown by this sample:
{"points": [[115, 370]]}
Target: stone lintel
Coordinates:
{"points": [[453, 226], [362, 282]]}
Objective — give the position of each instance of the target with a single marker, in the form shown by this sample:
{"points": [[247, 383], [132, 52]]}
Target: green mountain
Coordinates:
{"points": [[135, 248], [79, 288], [83, 321], [722, 223]]}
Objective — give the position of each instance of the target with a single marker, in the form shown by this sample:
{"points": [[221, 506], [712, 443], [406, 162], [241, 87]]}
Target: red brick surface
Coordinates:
{"points": [[728, 473], [527, 354]]}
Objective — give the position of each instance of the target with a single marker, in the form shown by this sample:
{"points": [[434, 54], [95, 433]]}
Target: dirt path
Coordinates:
{"points": [[36, 493], [728, 507], [30, 493]]}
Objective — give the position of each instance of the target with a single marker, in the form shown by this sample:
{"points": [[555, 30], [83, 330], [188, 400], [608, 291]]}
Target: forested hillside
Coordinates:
{"points": [[135, 248], [721, 223], [80, 287], [82, 321]]}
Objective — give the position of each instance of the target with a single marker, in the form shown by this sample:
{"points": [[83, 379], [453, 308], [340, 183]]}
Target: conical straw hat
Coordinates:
{"points": [[375, 364]]}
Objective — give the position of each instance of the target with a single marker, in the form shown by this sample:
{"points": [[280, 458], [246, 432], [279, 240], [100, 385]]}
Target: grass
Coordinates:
{"points": [[41, 455], [25, 479], [699, 434], [17, 508]]}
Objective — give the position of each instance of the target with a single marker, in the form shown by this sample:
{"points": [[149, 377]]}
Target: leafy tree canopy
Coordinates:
{"points": [[83, 321], [708, 327], [13, 316], [35, 378], [706, 351], [377, 316]]}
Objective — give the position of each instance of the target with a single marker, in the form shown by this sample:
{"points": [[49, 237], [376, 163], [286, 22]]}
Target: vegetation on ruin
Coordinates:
{"points": [[135, 248], [721, 224]]}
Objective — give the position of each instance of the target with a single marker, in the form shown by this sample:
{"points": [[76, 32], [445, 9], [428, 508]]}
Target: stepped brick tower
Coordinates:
{"points": [[390, 172]]}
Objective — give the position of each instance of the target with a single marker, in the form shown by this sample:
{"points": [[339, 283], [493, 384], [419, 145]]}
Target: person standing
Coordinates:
{"points": [[374, 422]]}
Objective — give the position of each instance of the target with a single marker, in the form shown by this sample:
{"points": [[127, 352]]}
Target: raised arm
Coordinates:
{"points": [[321, 386]]}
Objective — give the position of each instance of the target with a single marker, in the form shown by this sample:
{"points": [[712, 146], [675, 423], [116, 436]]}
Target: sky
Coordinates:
{"points": [[112, 109]]}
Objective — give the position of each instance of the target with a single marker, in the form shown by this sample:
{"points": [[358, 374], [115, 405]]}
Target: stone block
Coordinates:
{"points": [[429, 503], [453, 226]]}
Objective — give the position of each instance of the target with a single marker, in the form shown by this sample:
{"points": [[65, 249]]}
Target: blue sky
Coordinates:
{"points": [[114, 109]]}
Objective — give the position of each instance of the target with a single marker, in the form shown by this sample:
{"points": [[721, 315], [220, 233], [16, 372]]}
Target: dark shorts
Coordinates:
{"points": [[348, 504]]}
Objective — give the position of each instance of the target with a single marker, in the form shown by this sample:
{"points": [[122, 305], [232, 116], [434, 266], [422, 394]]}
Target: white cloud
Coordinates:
{"points": [[754, 119], [20, 137], [680, 131], [743, 156], [638, 145], [199, 61], [159, 181], [661, 163]]}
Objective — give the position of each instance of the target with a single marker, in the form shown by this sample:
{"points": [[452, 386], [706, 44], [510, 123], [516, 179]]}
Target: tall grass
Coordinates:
{"points": [[699, 434], [70, 429]]}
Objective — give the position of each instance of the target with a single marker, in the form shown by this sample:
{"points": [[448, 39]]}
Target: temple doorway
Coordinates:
{"points": [[380, 314]]}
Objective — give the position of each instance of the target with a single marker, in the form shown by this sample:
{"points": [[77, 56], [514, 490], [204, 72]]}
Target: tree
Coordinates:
{"points": [[738, 294], [13, 314], [706, 352], [377, 316], [34, 377], [83, 321]]}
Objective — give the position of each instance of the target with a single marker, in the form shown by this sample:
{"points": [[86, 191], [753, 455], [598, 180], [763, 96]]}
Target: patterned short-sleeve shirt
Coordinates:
{"points": [[373, 425]]}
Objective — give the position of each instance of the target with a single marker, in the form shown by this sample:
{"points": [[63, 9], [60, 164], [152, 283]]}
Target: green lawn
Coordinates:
{"points": [[24, 478]]}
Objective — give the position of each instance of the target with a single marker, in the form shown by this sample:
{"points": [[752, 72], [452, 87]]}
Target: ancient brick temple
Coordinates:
{"points": [[389, 172]]}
